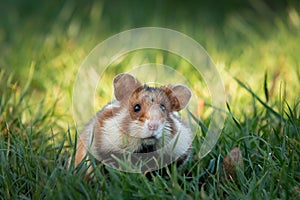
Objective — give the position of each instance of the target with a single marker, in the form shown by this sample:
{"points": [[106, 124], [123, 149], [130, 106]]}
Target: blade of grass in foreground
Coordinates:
{"points": [[233, 118], [277, 115], [203, 127], [266, 87]]}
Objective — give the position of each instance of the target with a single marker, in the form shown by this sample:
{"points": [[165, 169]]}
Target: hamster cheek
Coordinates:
{"points": [[137, 130]]}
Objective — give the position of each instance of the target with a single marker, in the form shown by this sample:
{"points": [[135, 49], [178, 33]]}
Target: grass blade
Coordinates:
{"points": [[266, 87], [277, 115], [203, 127], [233, 118]]}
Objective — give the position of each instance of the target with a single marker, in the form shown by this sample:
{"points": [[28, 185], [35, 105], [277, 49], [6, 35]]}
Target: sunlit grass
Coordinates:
{"points": [[258, 60]]}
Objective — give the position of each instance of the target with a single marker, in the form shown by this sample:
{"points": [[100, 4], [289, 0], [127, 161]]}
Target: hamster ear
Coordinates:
{"points": [[181, 96], [124, 85]]}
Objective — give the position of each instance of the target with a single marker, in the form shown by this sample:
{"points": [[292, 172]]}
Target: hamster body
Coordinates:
{"points": [[142, 119]]}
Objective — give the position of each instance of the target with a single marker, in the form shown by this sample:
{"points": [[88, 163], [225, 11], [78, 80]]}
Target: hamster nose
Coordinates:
{"points": [[153, 125]]}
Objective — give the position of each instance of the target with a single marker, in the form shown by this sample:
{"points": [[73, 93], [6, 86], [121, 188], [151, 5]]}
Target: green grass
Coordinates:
{"points": [[254, 47]]}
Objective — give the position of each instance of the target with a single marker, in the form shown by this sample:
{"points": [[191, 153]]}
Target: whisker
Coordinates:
{"points": [[168, 126], [168, 129]]}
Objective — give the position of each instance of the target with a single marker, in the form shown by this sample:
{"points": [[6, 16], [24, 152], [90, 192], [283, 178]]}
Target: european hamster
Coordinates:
{"points": [[142, 120]]}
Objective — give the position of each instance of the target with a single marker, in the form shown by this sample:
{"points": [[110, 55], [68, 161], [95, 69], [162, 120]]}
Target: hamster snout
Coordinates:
{"points": [[155, 122], [153, 125], [154, 128]]}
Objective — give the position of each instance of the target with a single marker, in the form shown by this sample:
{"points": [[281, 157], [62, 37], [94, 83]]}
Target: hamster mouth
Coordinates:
{"points": [[149, 140], [147, 146]]}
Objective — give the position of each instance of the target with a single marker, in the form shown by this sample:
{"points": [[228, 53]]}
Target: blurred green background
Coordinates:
{"points": [[245, 39], [42, 46]]}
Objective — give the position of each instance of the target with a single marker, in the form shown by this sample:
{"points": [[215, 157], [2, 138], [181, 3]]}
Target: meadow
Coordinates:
{"points": [[254, 45]]}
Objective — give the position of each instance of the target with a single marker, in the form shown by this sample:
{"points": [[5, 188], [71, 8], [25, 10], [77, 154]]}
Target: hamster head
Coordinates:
{"points": [[149, 108]]}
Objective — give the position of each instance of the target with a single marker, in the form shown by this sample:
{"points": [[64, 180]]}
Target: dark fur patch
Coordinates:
{"points": [[149, 89], [145, 148]]}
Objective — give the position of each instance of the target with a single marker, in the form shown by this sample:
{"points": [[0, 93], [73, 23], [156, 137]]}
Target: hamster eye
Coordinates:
{"points": [[137, 108], [162, 107]]}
